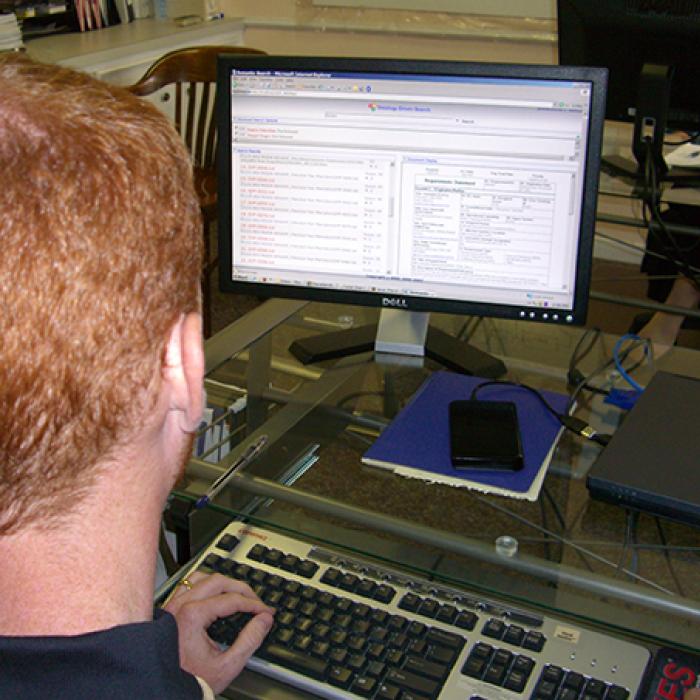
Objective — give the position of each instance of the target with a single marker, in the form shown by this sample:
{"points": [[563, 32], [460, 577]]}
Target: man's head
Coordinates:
{"points": [[100, 255]]}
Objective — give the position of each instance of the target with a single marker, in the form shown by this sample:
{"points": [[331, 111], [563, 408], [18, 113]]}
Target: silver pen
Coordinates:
{"points": [[243, 461]]}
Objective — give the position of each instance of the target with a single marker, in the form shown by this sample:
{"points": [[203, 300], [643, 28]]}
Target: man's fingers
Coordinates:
{"points": [[203, 612], [248, 640], [205, 586]]}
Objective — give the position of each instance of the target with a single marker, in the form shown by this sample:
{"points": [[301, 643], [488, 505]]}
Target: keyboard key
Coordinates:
{"points": [[410, 602], [379, 616], [340, 676], [482, 651], [545, 690], [292, 587], [429, 607], [320, 649], [308, 593], [295, 660], [567, 694], [594, 688], [516, 680], [360, 611], [273, 557], [441, 655], [213, 561], [257, 552], [348, 582], [495, 674], [343, 605], [384, 593], [446, 613], [338, 655], [534, 641], [466, 620], [397, 623], [307, 568], [617, 692], [290, 563], [331, 576], [502, 657], [412, 682], [376, 669], [303, 642], [227, 543], [366, 588], [425, 668], [364, 686], [274, 581], [553, 674], [524, 664], [445, 639], [514, 635], [474, 667], [494, 628], [387, 692], [416, 629], [356, 661]]}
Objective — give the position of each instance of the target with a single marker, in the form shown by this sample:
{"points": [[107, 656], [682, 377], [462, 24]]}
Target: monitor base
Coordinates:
{"points": [[454, 354]]}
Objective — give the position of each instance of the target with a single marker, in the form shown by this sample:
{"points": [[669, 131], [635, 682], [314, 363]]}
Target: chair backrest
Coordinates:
{"points": [[193, 73]]}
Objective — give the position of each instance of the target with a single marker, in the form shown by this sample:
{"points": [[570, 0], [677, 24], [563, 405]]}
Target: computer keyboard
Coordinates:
{"points": [[347, 628]]}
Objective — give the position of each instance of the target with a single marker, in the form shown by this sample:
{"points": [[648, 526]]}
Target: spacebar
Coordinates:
{"points": [[294, 660]]}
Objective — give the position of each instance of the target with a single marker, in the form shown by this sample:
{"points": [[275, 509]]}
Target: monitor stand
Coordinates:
{"points": [[400, 333], [651, 115]]}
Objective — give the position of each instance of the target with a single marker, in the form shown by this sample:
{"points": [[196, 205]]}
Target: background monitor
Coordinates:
{"points": [[414, 186], [650, 48]]}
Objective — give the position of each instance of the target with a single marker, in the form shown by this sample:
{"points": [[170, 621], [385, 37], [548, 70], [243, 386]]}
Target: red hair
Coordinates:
{"points": [[100, 254]]}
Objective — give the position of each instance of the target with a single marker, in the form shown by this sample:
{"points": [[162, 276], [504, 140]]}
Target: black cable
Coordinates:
{"points": [[652, 199], [667, 556], [574, 377], [562, 523], [545, 529], [575, 425]]}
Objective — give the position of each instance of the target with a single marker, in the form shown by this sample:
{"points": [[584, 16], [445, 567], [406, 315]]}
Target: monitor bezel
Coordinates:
{"points": [[597, 77]]}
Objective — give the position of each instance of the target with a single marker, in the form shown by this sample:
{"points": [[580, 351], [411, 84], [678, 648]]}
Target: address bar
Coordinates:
{"points": [[436, 99]]}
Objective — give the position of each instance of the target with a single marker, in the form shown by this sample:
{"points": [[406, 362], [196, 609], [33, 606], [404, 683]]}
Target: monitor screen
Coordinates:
{"points": [[429, 186]]}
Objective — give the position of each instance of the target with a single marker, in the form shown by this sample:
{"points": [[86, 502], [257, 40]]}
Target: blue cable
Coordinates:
{"points": [[618, 364]]}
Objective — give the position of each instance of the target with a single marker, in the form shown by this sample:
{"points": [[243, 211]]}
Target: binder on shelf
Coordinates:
{"points": [[416, 444]]}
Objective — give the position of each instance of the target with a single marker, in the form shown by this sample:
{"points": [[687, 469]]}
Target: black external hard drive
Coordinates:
{"points": [[485, 435]]}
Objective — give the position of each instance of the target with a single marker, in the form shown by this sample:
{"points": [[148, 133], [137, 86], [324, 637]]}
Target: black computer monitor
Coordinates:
{"points": [[650, 48], [414, 186]]}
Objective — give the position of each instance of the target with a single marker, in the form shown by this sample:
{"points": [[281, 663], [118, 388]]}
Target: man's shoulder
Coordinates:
{"points": [[139, 660]]}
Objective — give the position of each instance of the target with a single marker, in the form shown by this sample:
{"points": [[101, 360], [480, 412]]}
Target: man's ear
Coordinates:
{"points": [[184, 370]]}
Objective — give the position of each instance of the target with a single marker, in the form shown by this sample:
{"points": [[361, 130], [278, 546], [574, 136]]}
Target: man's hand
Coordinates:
{"points": [[693, 694], [209, 598]]}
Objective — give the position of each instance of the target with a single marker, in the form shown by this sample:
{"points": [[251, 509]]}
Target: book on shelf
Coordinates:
{"points": [[416, 444]]}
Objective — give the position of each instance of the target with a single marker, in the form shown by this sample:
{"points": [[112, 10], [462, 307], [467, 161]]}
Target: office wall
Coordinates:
{"points": [[310, 27]]}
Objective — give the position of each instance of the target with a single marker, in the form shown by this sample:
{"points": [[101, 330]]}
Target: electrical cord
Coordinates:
{"points": [[575, 425], [652, 201]]}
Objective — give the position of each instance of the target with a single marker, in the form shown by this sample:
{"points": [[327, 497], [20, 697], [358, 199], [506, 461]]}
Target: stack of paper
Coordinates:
{"points": [[10, 35]]}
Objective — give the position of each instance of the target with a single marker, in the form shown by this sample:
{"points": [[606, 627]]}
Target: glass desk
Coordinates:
{"points": [[576, 557]]}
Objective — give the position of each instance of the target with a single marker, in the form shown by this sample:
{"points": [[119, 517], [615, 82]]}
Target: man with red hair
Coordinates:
{"points": [[101, 369]]}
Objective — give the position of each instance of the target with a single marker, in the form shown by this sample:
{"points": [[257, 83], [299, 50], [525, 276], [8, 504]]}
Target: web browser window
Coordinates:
{"points": [[438, 186]]}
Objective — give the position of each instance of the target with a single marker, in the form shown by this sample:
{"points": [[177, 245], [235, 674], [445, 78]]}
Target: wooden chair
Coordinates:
{"points": [[192, 72]]}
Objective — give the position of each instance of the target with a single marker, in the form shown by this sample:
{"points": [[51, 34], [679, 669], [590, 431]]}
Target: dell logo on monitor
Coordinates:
{"points": [[395, 302]]}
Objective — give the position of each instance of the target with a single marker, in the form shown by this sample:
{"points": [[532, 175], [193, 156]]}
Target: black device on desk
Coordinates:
{"points": [[485, 435], [652, 462], [413, 186]]}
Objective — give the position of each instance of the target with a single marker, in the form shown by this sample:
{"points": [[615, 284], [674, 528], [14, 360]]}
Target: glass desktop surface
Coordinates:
{"points": [[576, 557]]}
